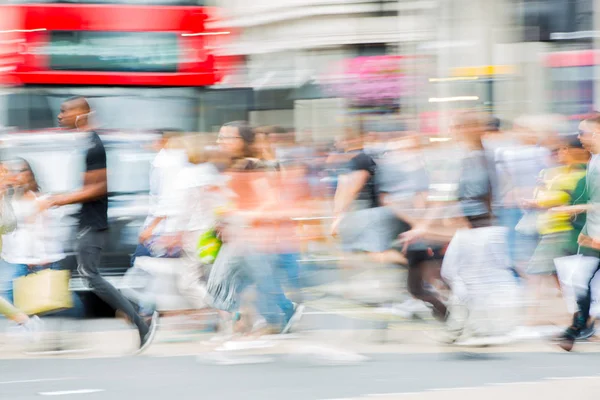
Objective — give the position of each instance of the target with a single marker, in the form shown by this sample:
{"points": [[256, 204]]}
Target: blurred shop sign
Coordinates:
{"points": [[579, 58], [484, 71]]}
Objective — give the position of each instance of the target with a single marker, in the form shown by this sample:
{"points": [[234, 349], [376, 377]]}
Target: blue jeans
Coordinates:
{"points": [[271, 300], [520, 247], [140, 251], [143, 251], [9, 272], [289, 263]]}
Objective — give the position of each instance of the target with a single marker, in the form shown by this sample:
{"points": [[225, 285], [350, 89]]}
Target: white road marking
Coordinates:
{"points": [[568, 378], [514, 383], [394, 394], [68, 392], [37, 380], [452, 389]]}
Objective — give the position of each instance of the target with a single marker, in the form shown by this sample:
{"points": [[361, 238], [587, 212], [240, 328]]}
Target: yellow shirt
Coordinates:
{"points": [[557, 185]]}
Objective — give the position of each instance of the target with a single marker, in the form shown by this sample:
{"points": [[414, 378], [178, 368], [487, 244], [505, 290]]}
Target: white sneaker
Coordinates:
{"points": [[410, 308], [294, 319], [33, 328]]}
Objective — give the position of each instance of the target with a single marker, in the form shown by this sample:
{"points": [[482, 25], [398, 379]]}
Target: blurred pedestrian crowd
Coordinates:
{"points": [[488, 223]]}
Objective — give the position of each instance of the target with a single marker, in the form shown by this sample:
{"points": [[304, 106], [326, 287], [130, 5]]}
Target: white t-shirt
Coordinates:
{"points": [[163, 176], [518, 169], [35, 241]]}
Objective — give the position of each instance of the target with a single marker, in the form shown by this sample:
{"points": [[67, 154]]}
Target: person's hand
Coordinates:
{"points": [[529, 204], [145, 235], [173, 242], [45, 204], [572, 210], [335, 226], [6, 181], [409, 237]]}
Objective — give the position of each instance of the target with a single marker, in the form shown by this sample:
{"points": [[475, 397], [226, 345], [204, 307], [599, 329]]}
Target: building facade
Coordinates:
{"points": [[489, 54]]}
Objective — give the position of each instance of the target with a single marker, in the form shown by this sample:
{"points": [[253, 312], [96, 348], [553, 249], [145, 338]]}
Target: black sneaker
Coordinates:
{"points": [[587, 332], [148, 338], [566, 341]]}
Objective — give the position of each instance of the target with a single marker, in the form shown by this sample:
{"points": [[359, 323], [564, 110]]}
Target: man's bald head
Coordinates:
{"points": [[74, 113], [80, 103]]}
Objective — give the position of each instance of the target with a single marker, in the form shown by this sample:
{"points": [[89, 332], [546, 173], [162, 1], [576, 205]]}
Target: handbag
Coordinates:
{"points": [[226, 280], [528, 224], [208, 247], [8, 220], [570, 271], [43, 292]]}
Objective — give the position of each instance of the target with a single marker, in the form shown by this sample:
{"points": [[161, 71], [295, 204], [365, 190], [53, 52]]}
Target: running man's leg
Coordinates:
{"points": [[89, 252]]}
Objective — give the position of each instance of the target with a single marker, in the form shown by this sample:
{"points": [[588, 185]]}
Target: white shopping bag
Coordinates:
{"points": [[570, 271], [226, 279]]}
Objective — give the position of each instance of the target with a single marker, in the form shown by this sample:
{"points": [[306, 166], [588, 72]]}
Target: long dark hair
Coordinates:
{"points": [[18, 161], [247, 134]]}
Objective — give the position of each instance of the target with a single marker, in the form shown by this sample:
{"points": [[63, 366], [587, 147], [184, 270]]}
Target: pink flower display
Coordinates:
{"points": [[370, 81]]}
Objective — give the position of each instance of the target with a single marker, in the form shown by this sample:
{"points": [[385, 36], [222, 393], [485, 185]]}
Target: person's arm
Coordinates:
{"points": [[147, 233], [427, 229], [348, 189], [94, 180], [94, 187], [578, 197], [579, 204]]}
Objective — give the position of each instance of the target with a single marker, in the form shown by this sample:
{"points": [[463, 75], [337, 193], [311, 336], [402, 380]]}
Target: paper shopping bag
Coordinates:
{"points": [[43, 292], [570, 269]]}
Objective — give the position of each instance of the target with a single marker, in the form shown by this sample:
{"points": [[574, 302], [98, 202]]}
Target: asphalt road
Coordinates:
{"points": [[288, 377]]}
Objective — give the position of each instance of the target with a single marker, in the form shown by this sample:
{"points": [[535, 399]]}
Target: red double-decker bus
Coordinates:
{"points": [[143, 63]]}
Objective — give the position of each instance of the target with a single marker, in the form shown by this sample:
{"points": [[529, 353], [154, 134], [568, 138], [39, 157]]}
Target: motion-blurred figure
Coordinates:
{"points": [[430, 234], [93, 218], [518, 166], [559, 186], [247, 255], [589, 238], [33, 245], [167, 164], [8, 223]]}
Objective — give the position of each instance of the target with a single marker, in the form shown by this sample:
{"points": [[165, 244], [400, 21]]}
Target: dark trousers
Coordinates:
{"points": [[416, 283], [89, 253]]}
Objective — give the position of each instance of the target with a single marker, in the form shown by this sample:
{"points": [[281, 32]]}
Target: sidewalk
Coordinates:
{"points": [[344, 345]]}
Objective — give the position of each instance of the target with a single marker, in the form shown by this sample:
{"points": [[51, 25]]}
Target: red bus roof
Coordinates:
{"points": [[29, 34]]}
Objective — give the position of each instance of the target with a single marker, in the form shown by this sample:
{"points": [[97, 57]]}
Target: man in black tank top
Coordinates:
{"points": [[93, 220]]}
